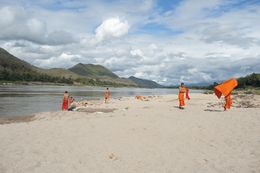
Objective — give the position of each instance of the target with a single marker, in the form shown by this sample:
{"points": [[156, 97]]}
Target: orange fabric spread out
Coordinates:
{"points": [[225, 88], [141, 98]]}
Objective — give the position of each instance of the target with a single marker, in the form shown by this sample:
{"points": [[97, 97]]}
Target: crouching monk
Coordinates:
{"points": [[226, 88], [182, 91]]}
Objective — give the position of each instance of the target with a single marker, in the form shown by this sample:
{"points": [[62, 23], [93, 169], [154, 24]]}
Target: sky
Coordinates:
{"points": [[168, 41]]}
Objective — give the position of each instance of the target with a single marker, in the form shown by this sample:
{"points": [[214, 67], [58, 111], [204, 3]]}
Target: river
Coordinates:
{"points": [[19, 100]]}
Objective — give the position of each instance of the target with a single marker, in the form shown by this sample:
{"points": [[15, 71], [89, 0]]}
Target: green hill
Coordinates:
{"points": [[14, 69], [59, 72], [11, 63], [92, 71], [145, 83]]}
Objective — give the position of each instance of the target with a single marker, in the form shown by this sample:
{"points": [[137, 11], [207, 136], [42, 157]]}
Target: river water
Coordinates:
{"points": [[19, 100]]}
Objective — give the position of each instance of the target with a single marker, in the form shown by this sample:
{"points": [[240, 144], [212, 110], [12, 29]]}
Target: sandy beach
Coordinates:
{"points": [[129, 135]]}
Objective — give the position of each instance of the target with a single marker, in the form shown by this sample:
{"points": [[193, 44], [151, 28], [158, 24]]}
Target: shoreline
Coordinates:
{"points": [[16, 119], [95, 106]]}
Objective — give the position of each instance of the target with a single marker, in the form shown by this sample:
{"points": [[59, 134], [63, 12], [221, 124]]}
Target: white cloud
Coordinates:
{"points": [[137, 52], [65, 59], [112, 27], [19, 24], [211, 45]]}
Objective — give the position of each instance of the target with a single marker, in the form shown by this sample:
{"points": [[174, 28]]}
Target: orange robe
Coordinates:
{"points": [[226, 88], [65, 104], [228, 102], [181, 96], [187, 94]]}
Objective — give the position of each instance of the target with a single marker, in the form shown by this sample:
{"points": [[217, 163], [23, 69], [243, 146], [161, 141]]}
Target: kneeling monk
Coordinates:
{"points": [[182, 90], [226, 88]]}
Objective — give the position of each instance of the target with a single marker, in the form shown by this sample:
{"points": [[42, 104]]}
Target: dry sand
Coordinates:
{"points": [[129, 135]]}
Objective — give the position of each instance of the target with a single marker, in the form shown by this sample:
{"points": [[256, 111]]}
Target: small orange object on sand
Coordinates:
{"points": [[141, 98]]}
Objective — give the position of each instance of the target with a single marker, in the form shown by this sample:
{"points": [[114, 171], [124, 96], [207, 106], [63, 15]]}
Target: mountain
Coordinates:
{"points": [[14, 69], [59, 72], [11, 63], [145, 83], [92, 71]]}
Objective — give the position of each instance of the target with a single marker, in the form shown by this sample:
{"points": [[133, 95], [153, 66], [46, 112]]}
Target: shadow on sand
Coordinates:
{"points": [[213, 110]]}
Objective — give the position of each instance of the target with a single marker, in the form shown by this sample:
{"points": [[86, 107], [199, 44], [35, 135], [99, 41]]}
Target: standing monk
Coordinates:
{"points": [[182, 90], [107, 95], [65, 101], [226, 88]]}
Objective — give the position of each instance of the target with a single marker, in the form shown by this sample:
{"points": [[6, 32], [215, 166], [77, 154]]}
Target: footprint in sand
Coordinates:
{"points": [[112, 157]]}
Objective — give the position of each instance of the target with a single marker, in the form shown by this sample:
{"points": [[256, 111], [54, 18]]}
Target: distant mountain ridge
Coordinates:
{"points": [[145, 83], [14, 69], [91, 70]]}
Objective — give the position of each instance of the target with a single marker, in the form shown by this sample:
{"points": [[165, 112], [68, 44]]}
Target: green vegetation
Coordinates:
{"points": [[249, 84], [252, 80], [8, 75]]}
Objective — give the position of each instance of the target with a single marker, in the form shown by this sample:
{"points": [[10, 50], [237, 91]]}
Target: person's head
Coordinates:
{"points": [[107, 88], [66, 92], [182, 84]]}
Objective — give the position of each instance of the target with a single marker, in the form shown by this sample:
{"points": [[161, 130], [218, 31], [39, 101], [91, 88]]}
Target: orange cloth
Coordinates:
{"points": [[225, 88], [139, 97], [181, 99], [65, 104], [228, 102], [181, 96], [187, 94]]}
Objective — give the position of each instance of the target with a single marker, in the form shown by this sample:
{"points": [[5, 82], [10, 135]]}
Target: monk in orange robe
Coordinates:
{"points": [[107, 95], [226, 88], [65, 101], [143, 98], [182, 91]]}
